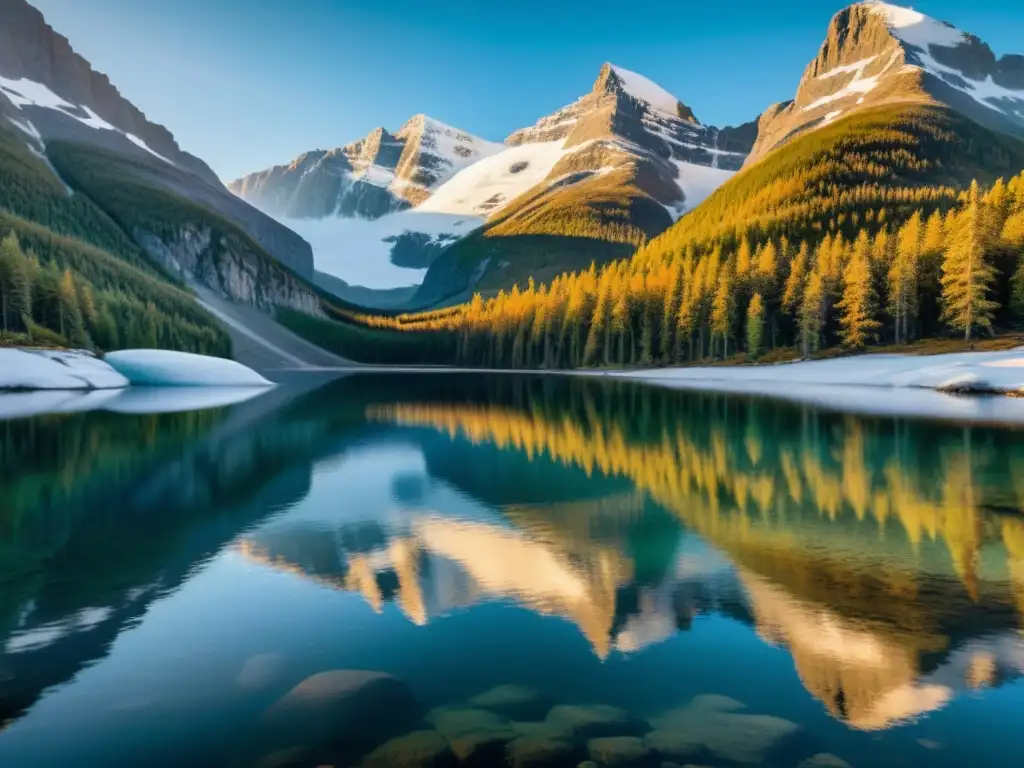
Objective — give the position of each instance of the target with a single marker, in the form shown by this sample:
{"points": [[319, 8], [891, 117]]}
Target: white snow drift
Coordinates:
{"points": [[881, 383], [48, 369], [164, 368], [39, 369]]}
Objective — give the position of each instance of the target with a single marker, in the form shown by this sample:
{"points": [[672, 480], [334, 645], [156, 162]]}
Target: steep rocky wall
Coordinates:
{"points": [[225, 264]]}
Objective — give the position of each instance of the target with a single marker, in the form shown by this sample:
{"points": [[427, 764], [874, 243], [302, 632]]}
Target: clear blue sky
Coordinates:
{"points": [[249, 83]]}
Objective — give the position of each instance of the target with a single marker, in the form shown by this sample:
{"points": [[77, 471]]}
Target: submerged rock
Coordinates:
{"points": [[515, 702], [824, 760], [343, 707], [675, 744], [543, 730], [476, 737], [595, 721], [715, 724], [541, 752], [259, 671], [621, 752], [419, 749]]}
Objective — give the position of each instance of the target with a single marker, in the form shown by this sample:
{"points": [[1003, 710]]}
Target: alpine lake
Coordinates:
{"points": [[445, 570]]}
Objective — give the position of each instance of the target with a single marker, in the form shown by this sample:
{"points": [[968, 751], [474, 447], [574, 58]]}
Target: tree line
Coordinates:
{"points": [[45, 303], [887, 275]]}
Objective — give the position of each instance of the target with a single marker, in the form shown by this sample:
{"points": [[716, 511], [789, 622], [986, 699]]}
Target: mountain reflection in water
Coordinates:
{"points": [[885, 557]]}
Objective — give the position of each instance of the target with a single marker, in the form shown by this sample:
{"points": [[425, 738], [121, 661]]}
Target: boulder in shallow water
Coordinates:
{"points": [[675, 744], [621, 752], [557, 731], [259, 671], [346, 708], [595, 721], [541, 752], [824, 760], [716, 723], [476, 736], [516, 702], [419, 749]]}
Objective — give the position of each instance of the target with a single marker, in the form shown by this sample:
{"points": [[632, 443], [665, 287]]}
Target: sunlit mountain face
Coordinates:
{"points": [[722, 580]]}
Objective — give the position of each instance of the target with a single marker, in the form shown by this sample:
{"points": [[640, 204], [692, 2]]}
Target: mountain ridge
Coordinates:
{"points": [[50, 93], [875, 53]]}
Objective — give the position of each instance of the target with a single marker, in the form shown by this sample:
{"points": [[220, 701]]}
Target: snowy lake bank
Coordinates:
{"points": [[34, 381], [882, 384]]}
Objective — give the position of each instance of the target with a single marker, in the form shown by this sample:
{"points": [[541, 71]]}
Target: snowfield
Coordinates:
{"points": [[358, 251], [50, 369], [41, 369], [879, 384], [28, 93], [490, 184], [164, 368], [642, 89], [697, 182]]}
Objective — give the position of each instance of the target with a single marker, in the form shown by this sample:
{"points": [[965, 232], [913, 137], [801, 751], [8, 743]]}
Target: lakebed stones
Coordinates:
{"points": [[621, 752], [676, 745], [543, 752], [595, 721], [344, 707], [716, 724], [824, 760], [419, 749], [477, 737], [515, 702]]}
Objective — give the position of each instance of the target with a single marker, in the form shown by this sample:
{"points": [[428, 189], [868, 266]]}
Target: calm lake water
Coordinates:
{"points": [[476, 570]]}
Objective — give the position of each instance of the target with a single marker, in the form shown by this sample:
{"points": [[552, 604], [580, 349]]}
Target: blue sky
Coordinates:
{"points": [[249, 83]]}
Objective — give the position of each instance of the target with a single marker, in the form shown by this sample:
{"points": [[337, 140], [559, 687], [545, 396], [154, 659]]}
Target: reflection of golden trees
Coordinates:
{"points": [[864, 546], [745, 485]]}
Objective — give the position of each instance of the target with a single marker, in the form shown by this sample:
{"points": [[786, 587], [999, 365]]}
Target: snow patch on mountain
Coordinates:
{"points": [[697, 182], [859, 85], [922, 32], [28, 93], [914, 28], [986, 92], [457, 148], [358, 250], [639, 87], [490, 184]]}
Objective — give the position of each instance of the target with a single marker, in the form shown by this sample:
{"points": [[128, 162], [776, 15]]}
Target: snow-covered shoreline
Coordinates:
{"points": [[24, 369], [874, 384]]}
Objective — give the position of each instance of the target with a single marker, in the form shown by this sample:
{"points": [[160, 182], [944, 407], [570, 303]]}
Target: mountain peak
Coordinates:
{"points": [[876, 53], [613, 78]]}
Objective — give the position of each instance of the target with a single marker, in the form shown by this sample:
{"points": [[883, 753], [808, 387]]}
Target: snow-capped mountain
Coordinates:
{"points": [[620, 163], [379, 211], [379, 174], [49, 93], [876, 54]]}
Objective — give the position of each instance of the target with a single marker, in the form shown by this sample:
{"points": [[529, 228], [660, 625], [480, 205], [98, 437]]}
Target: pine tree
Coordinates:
{"points": [[15, 284], [903, 276], [723, 308], [967, 275], [755, 325], [792, 295], [858, 302], [812, 313]]}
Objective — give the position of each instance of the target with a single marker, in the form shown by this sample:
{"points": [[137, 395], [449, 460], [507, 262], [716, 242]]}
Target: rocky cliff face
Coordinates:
{"points": [[379, 174], [876, 54], [48, 92], [227, 265]]}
